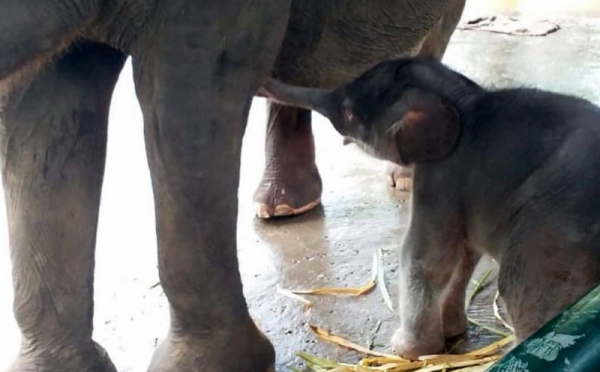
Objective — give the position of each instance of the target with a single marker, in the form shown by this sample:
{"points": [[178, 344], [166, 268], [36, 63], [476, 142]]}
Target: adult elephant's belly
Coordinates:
{"points": [[326, 44], [330, 42]]}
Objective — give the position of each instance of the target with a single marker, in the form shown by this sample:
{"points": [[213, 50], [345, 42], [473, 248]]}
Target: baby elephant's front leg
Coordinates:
{"points": [[433, 266]]}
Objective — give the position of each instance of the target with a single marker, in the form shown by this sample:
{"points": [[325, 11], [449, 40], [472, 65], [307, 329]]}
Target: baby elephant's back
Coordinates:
{"points": [[562, 195], [537, 166], [563, 158]]}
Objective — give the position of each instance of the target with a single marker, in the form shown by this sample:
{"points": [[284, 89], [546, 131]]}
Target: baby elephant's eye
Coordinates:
{"points": [[347, 109], [349, 115]]}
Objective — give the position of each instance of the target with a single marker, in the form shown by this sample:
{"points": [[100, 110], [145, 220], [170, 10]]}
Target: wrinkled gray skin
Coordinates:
{"points": [[513, 174], [328, 43], [197, 65]]}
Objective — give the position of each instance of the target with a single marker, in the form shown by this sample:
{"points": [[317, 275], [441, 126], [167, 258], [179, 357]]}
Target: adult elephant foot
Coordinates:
{"points": [[399, 177], [91, 357], [191, 352], [291, 184]]}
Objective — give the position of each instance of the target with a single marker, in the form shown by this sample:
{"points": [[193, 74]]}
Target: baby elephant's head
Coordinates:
{"points": [[384, 111]]}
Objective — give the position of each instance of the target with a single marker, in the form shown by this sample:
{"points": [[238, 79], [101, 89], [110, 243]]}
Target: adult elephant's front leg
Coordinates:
{"points": [[53, 148], [195, 85], [291, 183]]}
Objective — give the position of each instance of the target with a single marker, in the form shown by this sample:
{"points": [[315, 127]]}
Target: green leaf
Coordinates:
{"points": [[381, 281]]}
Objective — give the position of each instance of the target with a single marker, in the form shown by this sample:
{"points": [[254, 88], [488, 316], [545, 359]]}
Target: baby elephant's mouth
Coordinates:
{"points": [[348, 140], [360, 144]]}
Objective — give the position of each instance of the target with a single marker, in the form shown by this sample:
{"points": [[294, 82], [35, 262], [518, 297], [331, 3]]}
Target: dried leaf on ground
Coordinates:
{"points": [[381, 279], [440, 363], [497, 312], [340, 341], [316, 361], [475, 361], [341, 291], [479, 285], [488, 328], [307, 304], [493, 348], [439, 366], [352, 291], [371, 343]]}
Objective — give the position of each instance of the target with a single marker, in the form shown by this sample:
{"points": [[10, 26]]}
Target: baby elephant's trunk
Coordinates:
{"points": [[325, 102]]}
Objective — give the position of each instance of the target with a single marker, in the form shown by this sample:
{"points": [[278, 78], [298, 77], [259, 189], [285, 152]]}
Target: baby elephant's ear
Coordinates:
{"points": [[428, 130]]}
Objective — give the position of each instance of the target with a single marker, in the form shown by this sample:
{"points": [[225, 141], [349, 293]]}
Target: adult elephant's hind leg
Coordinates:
{"points": [[53, 138], [399, 177], [291, 183], [195, 89]]}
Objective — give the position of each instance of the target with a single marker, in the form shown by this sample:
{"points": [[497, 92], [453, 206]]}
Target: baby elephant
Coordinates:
{"points": [[511, 173]]}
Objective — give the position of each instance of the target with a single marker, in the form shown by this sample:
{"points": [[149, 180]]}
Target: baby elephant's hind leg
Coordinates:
{"points": [[538, 282], [53, 138], [399, 177]]}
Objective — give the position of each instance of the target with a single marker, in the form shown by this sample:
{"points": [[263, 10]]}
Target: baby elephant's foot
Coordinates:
{"points": [[399, 177], [91, 357], [243, 351], [412, 346]]}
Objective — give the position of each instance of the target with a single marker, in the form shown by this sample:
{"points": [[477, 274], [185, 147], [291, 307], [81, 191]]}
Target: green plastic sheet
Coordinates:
{"points": [[568, 343]]}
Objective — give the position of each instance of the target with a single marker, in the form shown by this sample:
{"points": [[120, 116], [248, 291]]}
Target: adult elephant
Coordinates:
{"points": [[326, 44], [197, 64]]}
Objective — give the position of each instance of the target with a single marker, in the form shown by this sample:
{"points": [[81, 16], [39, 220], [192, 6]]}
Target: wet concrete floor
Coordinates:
{"points": [[332, 246]]}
